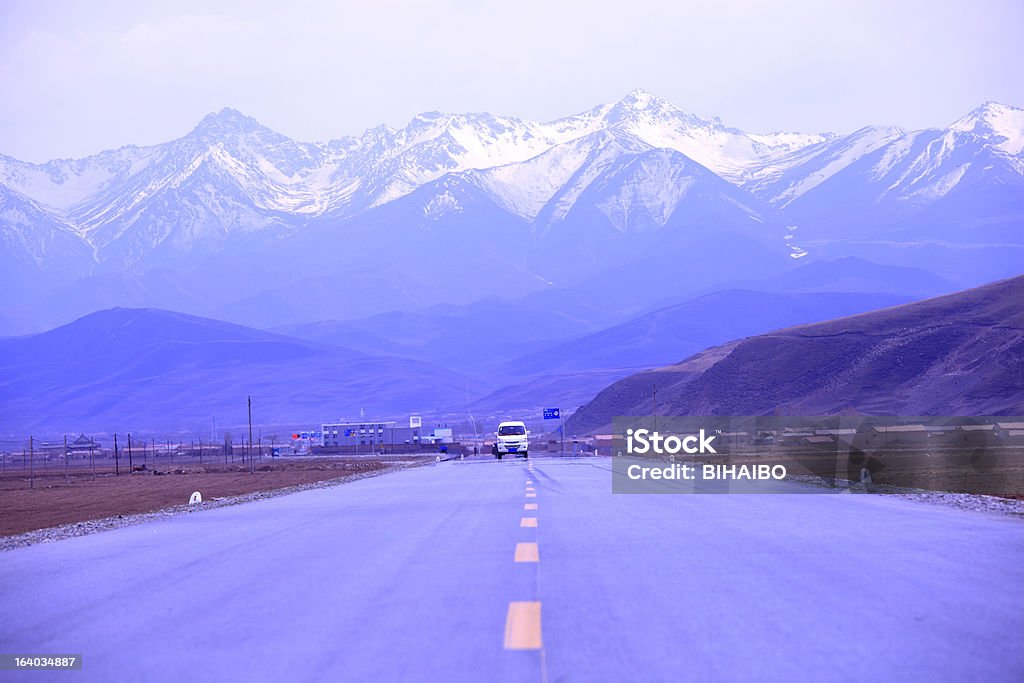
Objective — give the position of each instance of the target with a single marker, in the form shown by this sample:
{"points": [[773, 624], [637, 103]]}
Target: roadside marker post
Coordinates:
{"points": [[556, 414]]}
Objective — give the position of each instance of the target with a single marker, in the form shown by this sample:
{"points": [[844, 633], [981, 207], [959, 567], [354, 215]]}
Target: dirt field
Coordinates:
{"points": [[53, 502], [992, 472]]}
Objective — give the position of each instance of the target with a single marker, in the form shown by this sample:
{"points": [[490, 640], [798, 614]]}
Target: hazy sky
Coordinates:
{"points": [[79, 77]]}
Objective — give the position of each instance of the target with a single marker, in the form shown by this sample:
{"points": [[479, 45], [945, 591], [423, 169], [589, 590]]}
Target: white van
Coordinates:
{"points": [[511, 438]]}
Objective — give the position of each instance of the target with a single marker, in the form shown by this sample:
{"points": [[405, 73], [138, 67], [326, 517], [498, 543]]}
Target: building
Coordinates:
{"points": [[371, 435], [382, 435]]}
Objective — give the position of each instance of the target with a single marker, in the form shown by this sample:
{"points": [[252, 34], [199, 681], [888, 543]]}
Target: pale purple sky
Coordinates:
{"points": [[80, 77]]}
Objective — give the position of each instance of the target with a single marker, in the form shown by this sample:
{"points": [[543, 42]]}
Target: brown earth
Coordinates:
{"points": [[996, 472], [52, 502]]}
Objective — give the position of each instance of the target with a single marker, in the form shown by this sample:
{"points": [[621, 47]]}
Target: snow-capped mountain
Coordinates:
{"points": [[962, 184], [1003, 126], [517, 203], [232, 174]]}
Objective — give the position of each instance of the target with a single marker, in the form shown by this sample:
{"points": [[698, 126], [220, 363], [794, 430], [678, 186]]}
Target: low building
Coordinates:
{"points": [[351, 435], [369, 435]]}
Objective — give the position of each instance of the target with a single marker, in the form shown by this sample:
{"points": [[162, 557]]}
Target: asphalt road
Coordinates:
{"points": [[414, 576]]}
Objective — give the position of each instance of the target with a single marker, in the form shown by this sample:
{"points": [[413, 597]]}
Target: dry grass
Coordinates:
{"points": [[53, 502]]}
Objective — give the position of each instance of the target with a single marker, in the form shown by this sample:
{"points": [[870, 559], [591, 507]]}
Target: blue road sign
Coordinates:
{"points": [[552, 414]]}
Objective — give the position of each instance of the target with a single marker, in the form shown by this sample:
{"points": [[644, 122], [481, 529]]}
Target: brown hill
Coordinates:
{"points": [[960, 354]]}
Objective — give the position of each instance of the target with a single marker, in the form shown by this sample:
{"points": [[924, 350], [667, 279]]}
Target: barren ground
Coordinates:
{"points": [[52, 501]]}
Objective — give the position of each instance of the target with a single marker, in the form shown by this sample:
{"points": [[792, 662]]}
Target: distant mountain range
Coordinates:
{"points": [[148, 369], [238, 222], [144, 369], [960, 354], [472, 262]]}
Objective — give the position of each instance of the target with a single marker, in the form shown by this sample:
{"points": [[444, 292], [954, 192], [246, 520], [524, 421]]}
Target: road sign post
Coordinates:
{"points": [[556, 414]]}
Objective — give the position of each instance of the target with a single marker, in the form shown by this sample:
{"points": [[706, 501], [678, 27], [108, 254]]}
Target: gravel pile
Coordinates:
{"points": [[92, 526]]}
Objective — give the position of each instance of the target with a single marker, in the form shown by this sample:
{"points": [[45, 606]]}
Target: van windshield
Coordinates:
{"points": [[511, 430]]}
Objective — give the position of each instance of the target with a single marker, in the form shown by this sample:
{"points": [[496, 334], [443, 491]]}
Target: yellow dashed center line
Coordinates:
{"points": [[528, 521], [527, 552], [531, 495], [530, 506], [530, 489], [522, 626]]}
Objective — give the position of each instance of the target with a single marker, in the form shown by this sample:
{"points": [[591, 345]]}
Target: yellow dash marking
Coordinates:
{"points": [[530, 489], [530, 506], [522, 626], [527, 552], [528, 521], [531, 495], [529, 481]]}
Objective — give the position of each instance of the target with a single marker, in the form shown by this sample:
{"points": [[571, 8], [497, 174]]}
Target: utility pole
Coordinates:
{"points": [[117, 463], [561, 430], [252, 469], [65, 458], [92, 460], [31, 464], [200, 451], [130, 468], [655, 408]]}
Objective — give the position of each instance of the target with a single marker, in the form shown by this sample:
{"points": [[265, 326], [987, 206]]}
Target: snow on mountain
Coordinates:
{"points": [[881, 177], [545, 189], [37, 250], [64, 183], [997, 122], [629, 166], [560, 174], [726, 151], [781, 180]]}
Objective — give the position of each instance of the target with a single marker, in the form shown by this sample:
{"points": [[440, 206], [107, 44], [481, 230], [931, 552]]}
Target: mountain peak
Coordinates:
{"points": [[639, 99], [227, 121], [640, 106], [993, 119]]}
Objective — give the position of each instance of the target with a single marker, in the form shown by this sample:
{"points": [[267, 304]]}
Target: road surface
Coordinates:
{"points": [[482, 570]]}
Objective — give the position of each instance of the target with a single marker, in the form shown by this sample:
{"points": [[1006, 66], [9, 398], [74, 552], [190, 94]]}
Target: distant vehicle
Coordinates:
{"points": [[511, 439]]}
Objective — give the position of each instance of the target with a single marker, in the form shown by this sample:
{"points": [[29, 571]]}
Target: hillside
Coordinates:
{"points": [[959, 354], [125, 369]]}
